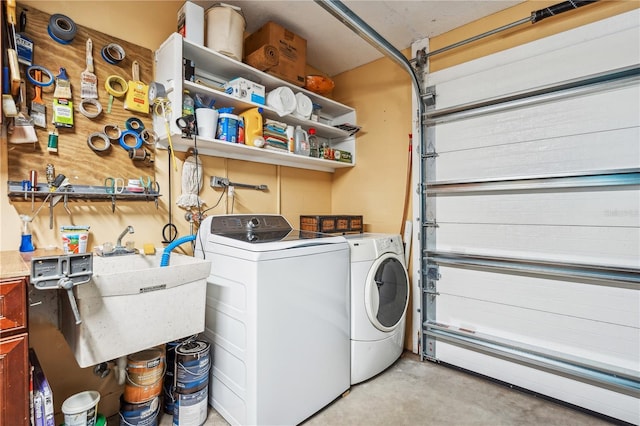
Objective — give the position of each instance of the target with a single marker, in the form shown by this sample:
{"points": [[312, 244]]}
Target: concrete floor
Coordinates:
{"points": [[411, 392]]}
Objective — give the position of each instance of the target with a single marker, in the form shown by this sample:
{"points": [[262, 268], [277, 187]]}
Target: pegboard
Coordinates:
{"points": [[74, 158]]}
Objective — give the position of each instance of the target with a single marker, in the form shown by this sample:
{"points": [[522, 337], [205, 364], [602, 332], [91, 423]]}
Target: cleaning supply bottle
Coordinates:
{"points": [[26, 245], [188, 104], [291, 138], [314, 144], [253, 127], [302, 142]]}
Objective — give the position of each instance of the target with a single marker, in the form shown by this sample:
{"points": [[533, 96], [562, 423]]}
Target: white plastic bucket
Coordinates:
{"points": [[225, 30], [81, 409]]}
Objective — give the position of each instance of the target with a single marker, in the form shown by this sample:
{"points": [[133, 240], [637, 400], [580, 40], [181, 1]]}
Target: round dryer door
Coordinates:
{"points": [[387, 292]]}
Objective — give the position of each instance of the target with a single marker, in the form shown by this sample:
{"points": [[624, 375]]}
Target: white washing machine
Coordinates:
{"points": [[277, 317], [379, 300]]}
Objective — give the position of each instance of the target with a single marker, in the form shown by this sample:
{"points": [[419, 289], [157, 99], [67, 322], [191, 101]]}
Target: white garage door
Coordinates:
{"points": [[530, 208]]}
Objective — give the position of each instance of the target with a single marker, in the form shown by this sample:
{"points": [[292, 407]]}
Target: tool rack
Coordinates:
{"points": [[80, 192]]}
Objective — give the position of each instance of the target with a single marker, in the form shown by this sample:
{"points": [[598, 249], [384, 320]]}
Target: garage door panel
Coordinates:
{"points": [[615, 207], [530, 213], [597, 341], [585, 395], [606, 150], [603, 303], [527, 67], [586, 245], [580, 115]]}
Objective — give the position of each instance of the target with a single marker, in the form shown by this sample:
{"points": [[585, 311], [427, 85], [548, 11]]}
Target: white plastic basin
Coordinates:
{"points": [[131, 304]]}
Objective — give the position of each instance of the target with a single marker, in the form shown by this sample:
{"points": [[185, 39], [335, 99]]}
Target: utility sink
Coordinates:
{"points": [[131, 304]]}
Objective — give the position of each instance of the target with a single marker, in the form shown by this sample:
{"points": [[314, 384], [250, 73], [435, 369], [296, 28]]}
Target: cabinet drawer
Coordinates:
{"points": [[14, 381], [13, 306]]}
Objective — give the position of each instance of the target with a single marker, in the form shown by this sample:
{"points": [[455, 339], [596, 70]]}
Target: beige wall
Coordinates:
{"points": [[380, 92]]}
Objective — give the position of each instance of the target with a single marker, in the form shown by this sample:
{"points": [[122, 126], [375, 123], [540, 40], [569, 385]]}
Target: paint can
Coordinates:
{"points": [[190, 408], [192, 365], [143, 414], [145, 370], [81, 409], [169, 377]]}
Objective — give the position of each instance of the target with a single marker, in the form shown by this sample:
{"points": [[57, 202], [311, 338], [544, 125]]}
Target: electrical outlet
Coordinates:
{"points": [[218, 182]]}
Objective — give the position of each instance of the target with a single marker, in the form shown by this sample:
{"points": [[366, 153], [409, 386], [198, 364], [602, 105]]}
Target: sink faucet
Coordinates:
{"points": [[128, 230]]}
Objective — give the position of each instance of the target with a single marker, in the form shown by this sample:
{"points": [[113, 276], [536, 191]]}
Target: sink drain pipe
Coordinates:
{"points": [[175, 243]]}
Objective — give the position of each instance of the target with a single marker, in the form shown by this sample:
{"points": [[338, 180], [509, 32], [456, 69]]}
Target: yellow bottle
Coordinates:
{"points": [[253, 135]]}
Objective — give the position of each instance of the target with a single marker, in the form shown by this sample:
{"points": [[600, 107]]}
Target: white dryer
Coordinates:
{"points": [[379, 300]]}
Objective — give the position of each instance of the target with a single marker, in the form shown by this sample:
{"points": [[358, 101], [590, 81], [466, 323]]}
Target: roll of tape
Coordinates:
{"points": [[102, 137], [149, 137], [95, 103], [135, 124], [62, 28], [111, 81], [112, 131], [156, 90], [45, 71], [113, 53], [138, 154], [127, 135]]}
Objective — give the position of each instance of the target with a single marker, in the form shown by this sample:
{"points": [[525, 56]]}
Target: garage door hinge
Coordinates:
{"points": [[430, 224], [433, 274], [429, 96], [430, 155]]}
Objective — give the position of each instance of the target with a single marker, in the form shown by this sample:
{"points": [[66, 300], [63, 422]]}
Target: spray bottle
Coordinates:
{"points": [[26, 245]]}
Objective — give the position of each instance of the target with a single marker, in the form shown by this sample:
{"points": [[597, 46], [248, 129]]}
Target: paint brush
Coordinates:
{"points": [[23, 131], [89, 81], [38, 108]]}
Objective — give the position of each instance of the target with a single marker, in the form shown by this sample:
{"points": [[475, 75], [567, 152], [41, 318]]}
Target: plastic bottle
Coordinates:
{"points": [[252, 126], [291, 139], [314, 144], [302, 142], [188, 104]]}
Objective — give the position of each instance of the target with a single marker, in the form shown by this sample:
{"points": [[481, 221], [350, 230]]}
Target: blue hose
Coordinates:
{"points": [[167, 251]]}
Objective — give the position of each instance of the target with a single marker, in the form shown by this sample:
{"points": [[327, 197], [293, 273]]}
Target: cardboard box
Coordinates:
{"points": [[43, 413], [291, 47], [246, 90]]}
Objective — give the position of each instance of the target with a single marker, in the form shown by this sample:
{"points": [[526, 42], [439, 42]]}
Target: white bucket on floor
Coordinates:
{"points": [[225, 30], [81, 409]]}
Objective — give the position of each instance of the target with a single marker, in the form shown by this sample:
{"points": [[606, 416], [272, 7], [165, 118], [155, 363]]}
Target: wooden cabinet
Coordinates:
{"points": [[14, 353], [333, 127]]}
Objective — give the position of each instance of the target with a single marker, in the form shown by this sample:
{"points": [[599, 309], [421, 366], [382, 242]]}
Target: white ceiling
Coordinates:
{"points": [[332, 48]]}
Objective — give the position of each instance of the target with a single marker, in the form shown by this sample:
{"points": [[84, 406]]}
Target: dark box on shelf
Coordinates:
{"points": [[292, 51], [332, 224]]}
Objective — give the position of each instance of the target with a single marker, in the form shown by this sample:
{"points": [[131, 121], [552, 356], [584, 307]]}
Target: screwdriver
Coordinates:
{"points": [[33, 180]]}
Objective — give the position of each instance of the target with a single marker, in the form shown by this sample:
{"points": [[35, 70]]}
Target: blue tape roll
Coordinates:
{"points": [[135, 124], [62, 27], [45, 71], [113, 53], [130, 133], [59, 40]]}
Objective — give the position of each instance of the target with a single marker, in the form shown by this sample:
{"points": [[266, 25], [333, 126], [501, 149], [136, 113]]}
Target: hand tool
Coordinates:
{"points": [[38, 108], [89, 81], [33, 181], [12, 54], [23, 131], [137, 98]]}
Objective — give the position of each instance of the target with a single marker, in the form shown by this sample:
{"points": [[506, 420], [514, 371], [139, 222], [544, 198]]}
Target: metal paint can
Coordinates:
{"points": [[169, 377], [145, 370], [143, 414], [190, 409], [192, 365]]}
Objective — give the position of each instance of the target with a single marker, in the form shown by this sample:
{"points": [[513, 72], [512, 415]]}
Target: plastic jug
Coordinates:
{"points": [[302, 142], [252, 127]]}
